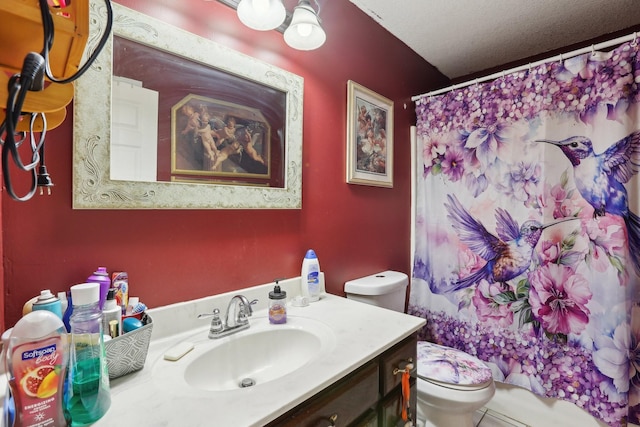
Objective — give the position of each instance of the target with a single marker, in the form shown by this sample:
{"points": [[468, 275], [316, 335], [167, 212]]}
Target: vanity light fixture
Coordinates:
{"points": [[302, 29], [262, 15], [305, 31]]}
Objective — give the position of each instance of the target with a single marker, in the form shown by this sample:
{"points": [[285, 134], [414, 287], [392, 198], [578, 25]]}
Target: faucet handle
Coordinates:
{"points": [[215, 313], [216, 322], [245, 311]]}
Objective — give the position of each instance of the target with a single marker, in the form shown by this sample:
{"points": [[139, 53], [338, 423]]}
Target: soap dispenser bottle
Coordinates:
{"points": [[277, 305]]}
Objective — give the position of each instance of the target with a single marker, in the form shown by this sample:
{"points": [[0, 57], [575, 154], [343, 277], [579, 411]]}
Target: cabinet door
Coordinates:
{"points": [[341, 404], [397, 358], [369, 420], [392, 363], [391, 409]]}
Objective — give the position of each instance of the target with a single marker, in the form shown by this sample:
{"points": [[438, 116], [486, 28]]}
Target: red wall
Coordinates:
{"points": [[177, 255]]}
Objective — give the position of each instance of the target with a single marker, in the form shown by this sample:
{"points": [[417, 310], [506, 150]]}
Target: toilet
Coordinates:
{"points": [[451, 384]]}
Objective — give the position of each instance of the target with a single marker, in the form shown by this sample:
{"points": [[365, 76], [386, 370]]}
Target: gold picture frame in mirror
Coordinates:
{"points": [[229, 82]]}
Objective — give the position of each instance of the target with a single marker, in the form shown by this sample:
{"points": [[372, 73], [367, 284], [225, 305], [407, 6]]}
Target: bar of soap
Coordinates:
{"points": [[177, 351]]}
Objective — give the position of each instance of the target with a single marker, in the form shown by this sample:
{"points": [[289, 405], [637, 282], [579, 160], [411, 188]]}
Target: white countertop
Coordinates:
{"points": [[361, 332]]}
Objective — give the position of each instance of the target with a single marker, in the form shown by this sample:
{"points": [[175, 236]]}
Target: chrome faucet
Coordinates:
{"points": [[236, 319]]}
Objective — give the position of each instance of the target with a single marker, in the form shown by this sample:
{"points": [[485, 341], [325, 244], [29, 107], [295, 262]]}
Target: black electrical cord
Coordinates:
{"points": [[19, 85], [47, 23], [30, 78]]}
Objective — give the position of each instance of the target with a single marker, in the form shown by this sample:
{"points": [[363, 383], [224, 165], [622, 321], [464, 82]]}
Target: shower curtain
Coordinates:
{"points": [[527, 246]]}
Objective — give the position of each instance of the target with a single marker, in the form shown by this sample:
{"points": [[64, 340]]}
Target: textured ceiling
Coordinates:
{"points": [[461, 37]]}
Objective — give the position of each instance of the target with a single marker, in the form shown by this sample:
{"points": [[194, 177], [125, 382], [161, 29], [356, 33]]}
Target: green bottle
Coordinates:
{"points": [[87, 395]]}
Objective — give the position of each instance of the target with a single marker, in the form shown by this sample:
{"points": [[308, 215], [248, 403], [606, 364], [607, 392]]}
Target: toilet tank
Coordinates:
{"points": [[387, 289]]}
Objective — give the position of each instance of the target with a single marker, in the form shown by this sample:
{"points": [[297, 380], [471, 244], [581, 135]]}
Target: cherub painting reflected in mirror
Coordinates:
{"points": [[214, 138]]}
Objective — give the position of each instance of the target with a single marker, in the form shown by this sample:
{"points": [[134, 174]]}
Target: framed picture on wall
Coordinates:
{"points": [[211, 139], [369, 137]]}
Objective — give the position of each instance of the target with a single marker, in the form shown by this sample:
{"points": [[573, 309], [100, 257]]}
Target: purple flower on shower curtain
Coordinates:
{"points": [[453, 164], [561, 248], [432, 154], [558, 297], [606, 242], [486, 298], [618, 111], [476, 184], [489, 143], [468, 261], [612, 357], [550, 251], [564, 201], [522, 181]]}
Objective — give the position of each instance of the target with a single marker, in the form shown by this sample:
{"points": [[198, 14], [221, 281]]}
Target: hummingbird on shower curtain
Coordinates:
{"points": [[508, 255], [600, 179]]}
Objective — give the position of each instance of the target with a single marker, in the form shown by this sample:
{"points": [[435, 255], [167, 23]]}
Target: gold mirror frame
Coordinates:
{"points": [[92, 186]]}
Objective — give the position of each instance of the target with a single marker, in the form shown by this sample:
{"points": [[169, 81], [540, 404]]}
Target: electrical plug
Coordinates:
{"points": [[44, 180]]}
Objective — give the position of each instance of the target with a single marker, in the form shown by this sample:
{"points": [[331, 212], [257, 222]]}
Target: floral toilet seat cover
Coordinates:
{"points": [[447, 365]]}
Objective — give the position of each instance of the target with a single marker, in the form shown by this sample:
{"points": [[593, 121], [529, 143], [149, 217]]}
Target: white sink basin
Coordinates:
{"points": [[254, 358], [248, 359]]}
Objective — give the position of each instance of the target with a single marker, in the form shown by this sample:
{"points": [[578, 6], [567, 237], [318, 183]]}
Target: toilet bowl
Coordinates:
{"points": [[451, 384]]}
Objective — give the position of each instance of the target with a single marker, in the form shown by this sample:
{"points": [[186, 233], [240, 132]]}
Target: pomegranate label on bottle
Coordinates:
{"points": [[37, 371]]}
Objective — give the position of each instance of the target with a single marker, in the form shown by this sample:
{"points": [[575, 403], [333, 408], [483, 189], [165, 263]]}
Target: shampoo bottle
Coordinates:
{"points": [[87, 397], [310, 276], [36, 365]]}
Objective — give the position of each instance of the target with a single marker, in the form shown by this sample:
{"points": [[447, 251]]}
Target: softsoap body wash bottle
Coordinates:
{"points": [[310, 276], [36, 367]]}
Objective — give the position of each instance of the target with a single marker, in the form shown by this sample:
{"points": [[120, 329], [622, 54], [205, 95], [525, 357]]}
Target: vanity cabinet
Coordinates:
{"points": [[371, 396]]}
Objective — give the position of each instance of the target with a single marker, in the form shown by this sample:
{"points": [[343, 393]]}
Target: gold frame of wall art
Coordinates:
{"points": [[369, 137]]}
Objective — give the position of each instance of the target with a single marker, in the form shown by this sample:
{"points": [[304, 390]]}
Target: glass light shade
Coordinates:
{"points": [[262, 15], [305, 31]]}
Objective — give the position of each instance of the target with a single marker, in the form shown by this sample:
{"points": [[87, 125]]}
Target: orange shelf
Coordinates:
{"points": [[21, 32]]}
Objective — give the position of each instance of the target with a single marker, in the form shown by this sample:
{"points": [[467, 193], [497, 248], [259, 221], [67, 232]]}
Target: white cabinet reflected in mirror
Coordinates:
{"points": [[168, 120]]}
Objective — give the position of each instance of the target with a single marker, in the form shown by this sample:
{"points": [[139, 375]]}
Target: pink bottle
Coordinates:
{"points": [[36, 367]]}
